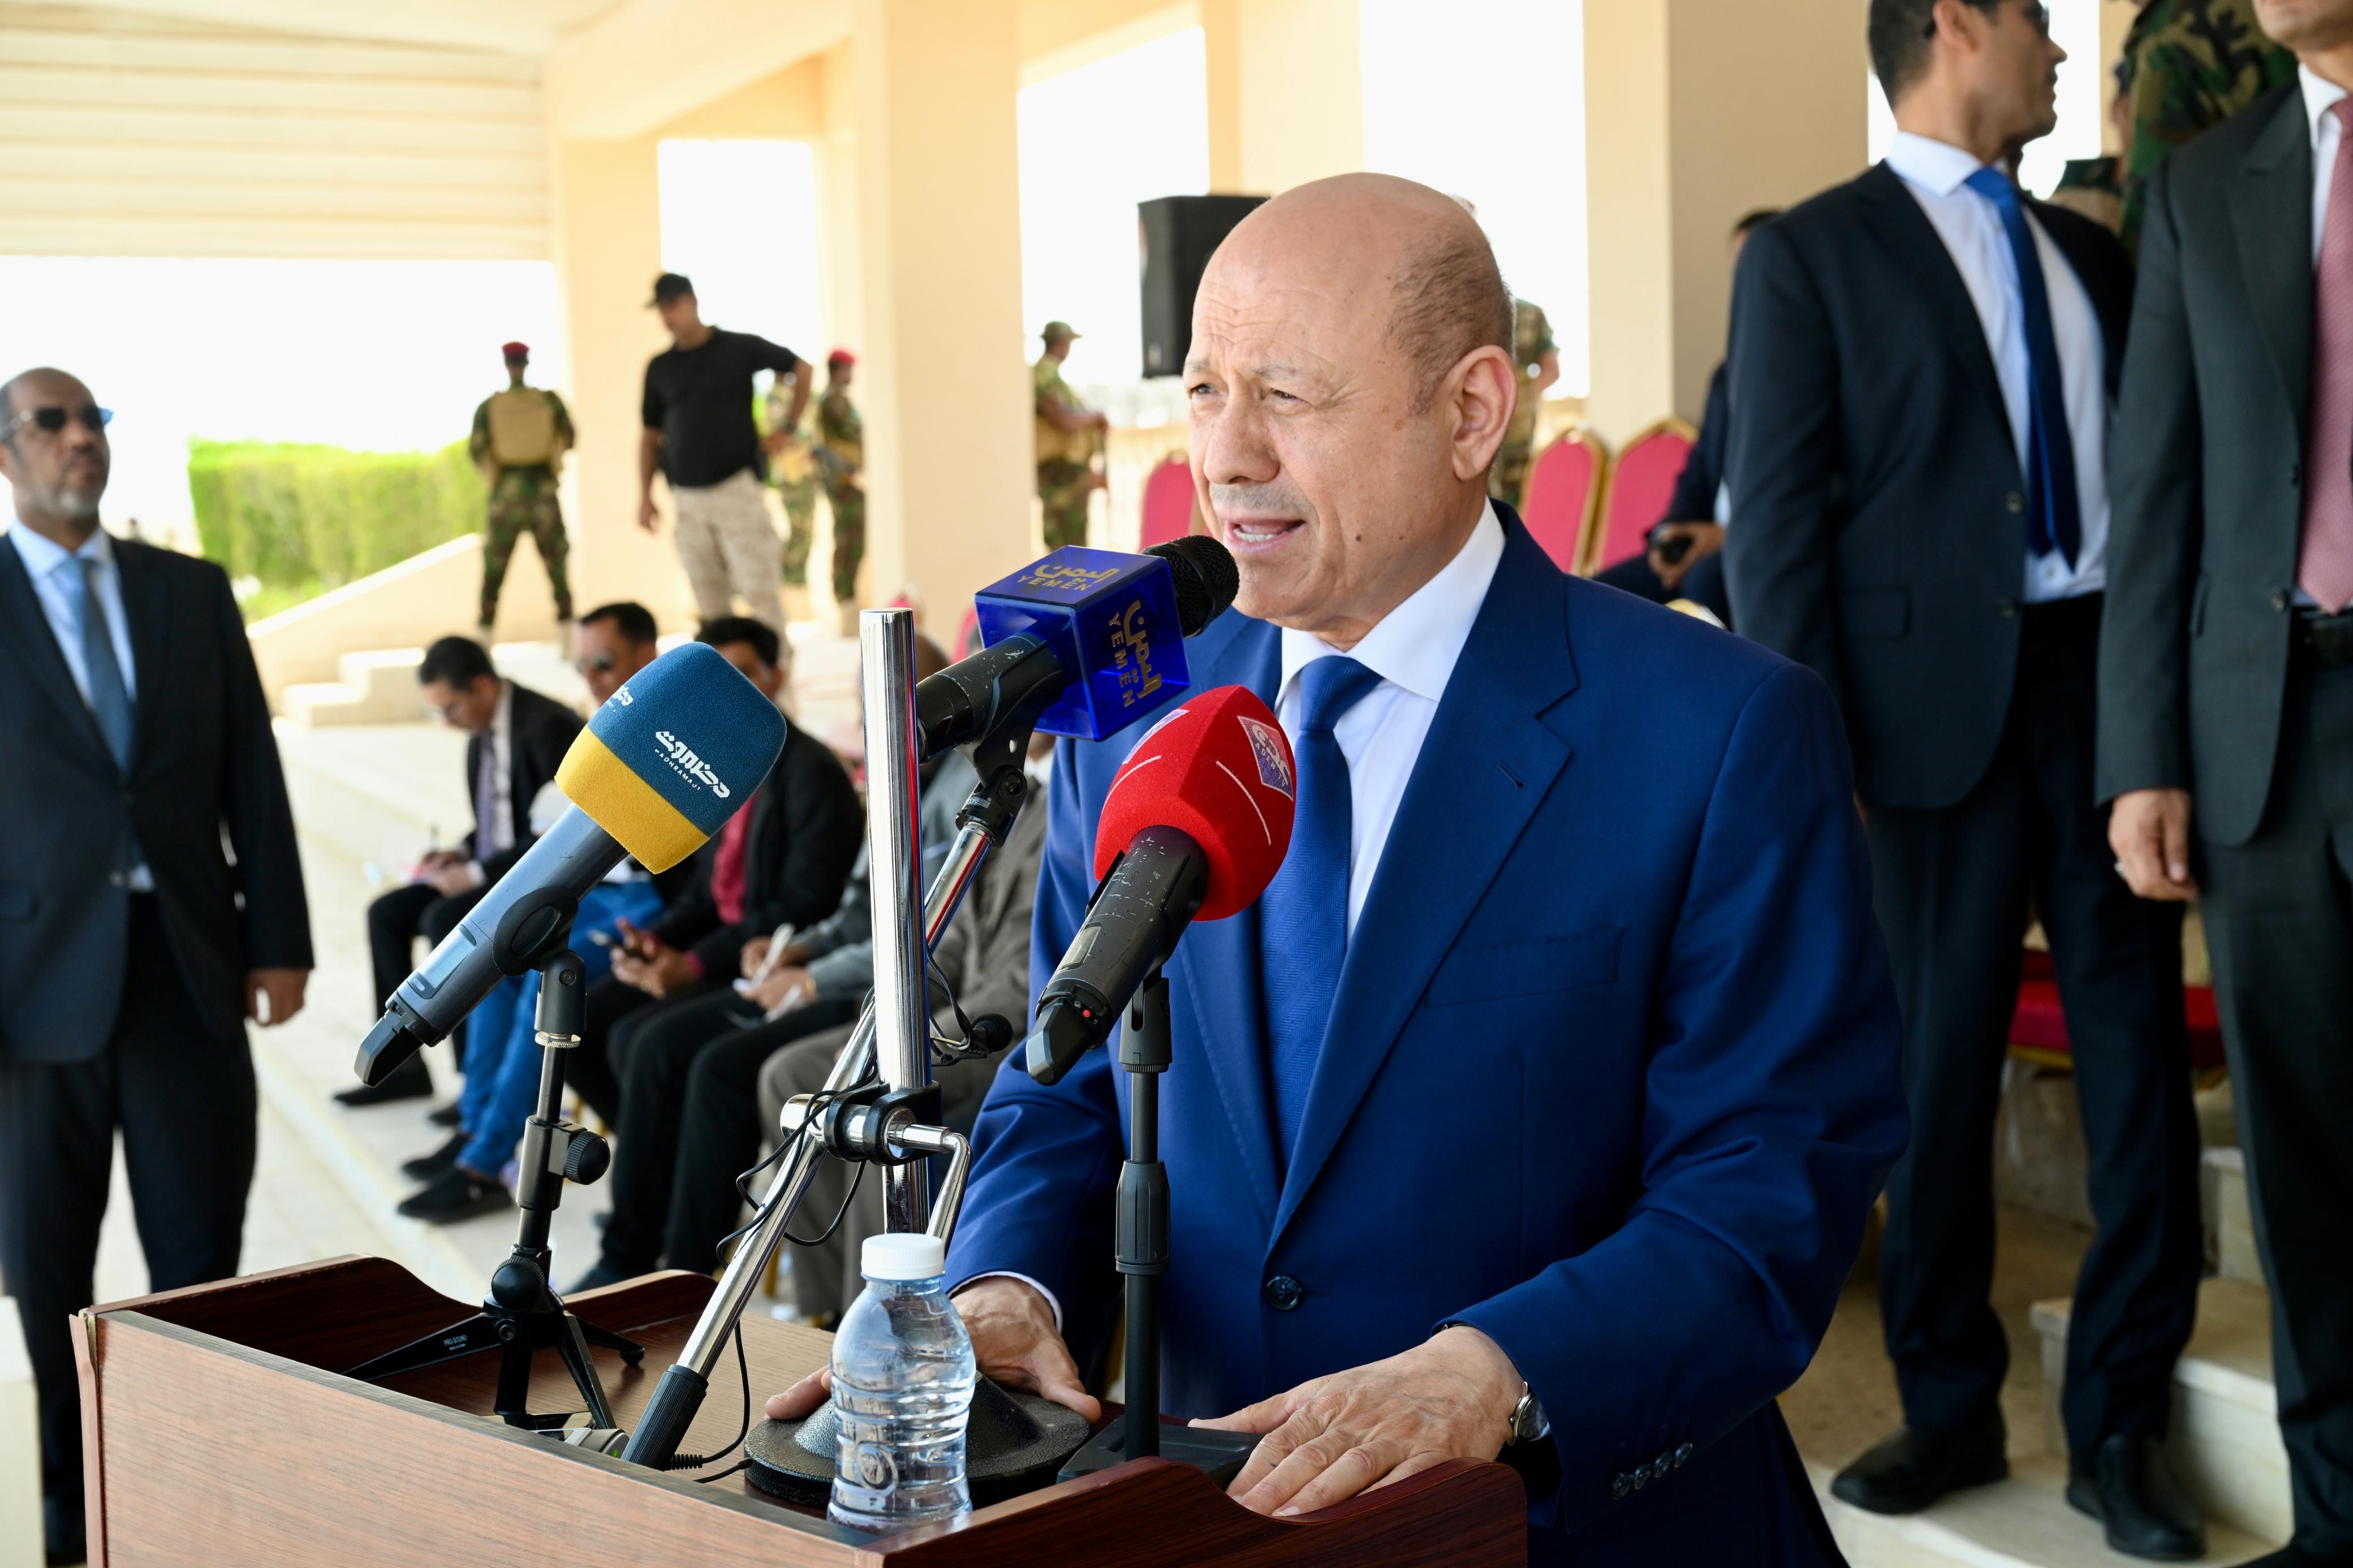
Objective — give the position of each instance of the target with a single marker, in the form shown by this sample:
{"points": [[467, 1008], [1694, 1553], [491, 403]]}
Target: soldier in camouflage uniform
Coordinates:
{"points": [[1070, 434], [518, 440], [1538, 359], [841, 459], [795, 474], [2188, 65]]}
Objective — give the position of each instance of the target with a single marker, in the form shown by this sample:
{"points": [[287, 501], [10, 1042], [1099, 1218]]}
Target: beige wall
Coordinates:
{"points": [[1697, 110], [1299, 91], [946, 397]]}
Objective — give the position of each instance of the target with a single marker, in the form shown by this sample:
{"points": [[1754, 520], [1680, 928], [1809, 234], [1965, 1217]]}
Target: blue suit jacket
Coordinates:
{"points": [[1612, 1075]]}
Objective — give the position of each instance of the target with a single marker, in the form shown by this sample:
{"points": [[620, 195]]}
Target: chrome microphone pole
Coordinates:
{"points": [[903, 1023]]}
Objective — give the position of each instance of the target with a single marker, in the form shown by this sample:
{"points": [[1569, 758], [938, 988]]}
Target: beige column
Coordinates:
{"points": [[607, 249], [1696, 111], [1298, 90], [948, 440]]}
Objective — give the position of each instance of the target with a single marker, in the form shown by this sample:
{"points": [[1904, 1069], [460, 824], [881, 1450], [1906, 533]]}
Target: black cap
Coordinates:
{"points": [[670, 286]]}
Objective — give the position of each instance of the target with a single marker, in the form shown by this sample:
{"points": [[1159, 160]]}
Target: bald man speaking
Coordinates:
{"points": [[1536, 1108]]}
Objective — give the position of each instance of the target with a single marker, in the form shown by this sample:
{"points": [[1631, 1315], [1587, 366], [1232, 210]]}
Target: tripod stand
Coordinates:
{"points": [[523, 1315]]}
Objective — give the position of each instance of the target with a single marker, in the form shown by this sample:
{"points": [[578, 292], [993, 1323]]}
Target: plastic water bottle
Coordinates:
{"points": [[902, 1380]]}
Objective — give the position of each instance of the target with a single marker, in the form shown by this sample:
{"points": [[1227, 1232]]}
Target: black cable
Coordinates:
{"points": [[847, 1198], [742, 1430]]}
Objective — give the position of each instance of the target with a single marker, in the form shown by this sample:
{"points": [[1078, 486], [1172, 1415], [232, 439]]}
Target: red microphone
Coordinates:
{"points": [[1193, 827]]}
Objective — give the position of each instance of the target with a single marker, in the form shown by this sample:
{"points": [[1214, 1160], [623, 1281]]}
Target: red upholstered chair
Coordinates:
{"points": [[2038, 1029], [1642, 482], [1167, 501], [1565, 493]]}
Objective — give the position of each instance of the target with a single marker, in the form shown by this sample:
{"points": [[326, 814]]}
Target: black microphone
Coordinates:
{"points": [[663, 765], [1086, 641]]}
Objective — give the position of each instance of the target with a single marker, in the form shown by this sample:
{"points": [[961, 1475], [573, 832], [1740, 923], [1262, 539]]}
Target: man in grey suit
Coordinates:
{"points": [[2226, 677], [132, 950]]}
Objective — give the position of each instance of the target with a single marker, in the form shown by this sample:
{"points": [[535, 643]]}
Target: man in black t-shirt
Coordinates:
{"points": [[699, 433]]}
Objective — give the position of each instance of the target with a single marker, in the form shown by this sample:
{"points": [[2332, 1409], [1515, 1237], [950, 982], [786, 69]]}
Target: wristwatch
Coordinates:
{"points": [[1527, 1418]]}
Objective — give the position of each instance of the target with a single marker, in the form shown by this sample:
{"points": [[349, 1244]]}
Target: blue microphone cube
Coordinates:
{"points": [[1112, 620]]}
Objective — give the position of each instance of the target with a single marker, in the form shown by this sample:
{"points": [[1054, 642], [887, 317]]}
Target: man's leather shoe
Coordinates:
{"points": [[1921, 1464], [444, 1115], [424, 1167], [457, 1194], [2126, 1484], [61, 1531], [409, 1080]]}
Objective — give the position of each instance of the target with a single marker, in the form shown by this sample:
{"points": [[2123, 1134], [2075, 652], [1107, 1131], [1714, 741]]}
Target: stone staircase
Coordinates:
{"points": [[2225, 1443]]}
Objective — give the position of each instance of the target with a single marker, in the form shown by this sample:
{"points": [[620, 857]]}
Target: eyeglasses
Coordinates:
{"points": [[594, 664], [53, 417]]}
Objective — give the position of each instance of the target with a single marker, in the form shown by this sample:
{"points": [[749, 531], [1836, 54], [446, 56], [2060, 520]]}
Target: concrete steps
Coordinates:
{"points": [[2021, 1522], [2225, 1441]]}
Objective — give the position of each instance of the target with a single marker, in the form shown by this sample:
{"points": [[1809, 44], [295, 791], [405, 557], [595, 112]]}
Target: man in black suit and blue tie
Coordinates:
{"points": [[1922, 364], [132, 951]]}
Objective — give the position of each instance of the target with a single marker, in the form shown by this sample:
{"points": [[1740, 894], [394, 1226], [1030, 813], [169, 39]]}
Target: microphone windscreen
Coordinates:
{"points": [[673, 754], [1221, 769]]}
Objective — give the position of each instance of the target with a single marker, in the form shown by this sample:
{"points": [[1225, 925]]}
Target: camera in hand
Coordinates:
{"points": [[1669, 548]]}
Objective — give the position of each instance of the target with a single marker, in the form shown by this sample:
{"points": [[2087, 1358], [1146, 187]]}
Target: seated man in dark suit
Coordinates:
{"points": [[1537, 1106], [781, 860], [519, 738], [1693, 531]]}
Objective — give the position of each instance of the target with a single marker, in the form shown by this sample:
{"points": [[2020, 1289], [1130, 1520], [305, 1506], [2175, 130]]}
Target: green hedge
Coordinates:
{"points": [[292, 516]]}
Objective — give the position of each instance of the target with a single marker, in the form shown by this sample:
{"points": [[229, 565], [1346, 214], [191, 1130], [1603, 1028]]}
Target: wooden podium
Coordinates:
{"points": [[219, 1429]]}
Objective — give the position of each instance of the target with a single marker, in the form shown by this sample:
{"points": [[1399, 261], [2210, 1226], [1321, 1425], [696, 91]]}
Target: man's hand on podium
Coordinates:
{"points": [[1450, 1397], [1013, 1339]]}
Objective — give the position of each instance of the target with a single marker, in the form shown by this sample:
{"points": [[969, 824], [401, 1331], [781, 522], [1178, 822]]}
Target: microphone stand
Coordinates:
{"points": [[523, 1315], [987, 816]]}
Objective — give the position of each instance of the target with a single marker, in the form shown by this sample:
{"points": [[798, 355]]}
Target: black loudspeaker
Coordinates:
{"points": [[1177, 235]]}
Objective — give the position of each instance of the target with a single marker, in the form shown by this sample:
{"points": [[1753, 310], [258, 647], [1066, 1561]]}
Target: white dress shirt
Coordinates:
{"points": [[1936, 173], [52, 568], [1413, 650], [2320, 96]]}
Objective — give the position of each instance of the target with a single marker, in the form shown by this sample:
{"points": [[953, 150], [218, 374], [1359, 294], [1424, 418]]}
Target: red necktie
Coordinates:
{"points": [[2325, 567]]}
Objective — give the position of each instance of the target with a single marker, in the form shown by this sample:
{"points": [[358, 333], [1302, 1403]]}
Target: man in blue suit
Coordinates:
{"points": [[1539, 1103]]}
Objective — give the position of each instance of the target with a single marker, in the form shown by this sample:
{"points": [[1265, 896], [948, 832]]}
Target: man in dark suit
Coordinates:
{"points": [[1919, 448], [132, 950], [2226, 678], [781, 860], [517, 739], [1537, 1107]]}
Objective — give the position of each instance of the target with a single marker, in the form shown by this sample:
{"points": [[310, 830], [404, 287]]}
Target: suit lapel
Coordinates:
{"points": [[1907, 236], [2271, 212], [144, 605], [1217, 963], [23, 620], [1485, 765]]}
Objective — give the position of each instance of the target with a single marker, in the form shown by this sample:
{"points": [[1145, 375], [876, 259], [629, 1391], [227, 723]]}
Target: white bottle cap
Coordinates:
{"points": [[903, 1257]]}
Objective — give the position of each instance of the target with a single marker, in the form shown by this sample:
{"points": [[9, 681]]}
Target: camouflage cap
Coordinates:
{"points": [[1056, 331]]}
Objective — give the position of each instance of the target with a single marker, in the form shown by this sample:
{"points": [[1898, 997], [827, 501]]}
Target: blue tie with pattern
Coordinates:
{"points": [[109, 697], [1304, 914], [2053, 505]]}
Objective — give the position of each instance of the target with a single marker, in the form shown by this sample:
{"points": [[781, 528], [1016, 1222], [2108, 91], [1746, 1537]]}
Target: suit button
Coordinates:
{"points": [[1283, 1293], [118, 879], [1682, 1454], [1621, 1486], [2281, 599], [1662, 1464], [2006, 608], [1641, 1477], [2014, 501]]}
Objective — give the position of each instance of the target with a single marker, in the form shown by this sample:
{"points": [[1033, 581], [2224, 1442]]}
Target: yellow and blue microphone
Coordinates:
{"points": [[661, 767]]}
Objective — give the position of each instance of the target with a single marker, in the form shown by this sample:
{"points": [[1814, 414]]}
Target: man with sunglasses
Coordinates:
{"points": [[1922, 361], [133, 949]]}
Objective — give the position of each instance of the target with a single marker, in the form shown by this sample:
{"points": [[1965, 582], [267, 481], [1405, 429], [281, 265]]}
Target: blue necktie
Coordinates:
{"points": [[109, 698], [2054, 506], [1304, 914]]}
